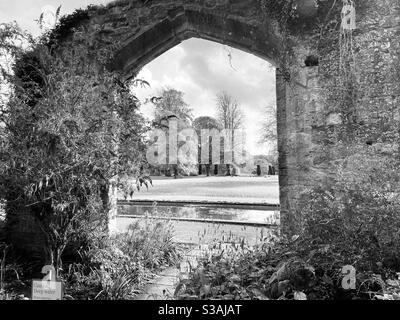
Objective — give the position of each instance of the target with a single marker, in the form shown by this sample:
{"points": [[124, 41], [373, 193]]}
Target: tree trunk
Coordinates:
{"points": [[105, 198], [228, 170], [208, 170], [57, 261], [109, 201]]}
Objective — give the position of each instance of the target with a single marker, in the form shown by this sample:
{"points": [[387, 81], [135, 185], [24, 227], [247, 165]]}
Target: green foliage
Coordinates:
{"points": [[66, 27], [171, 102], [359, 215], [150, 242], [284, 11], [70, 127], [11, 287], [115, 269], [205, 122], [170, 106], [355, 222], [220, 275], [106, 273]]}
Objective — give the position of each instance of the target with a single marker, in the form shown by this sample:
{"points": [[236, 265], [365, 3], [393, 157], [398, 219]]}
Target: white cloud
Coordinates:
{"points": [[203, 68], [199, 68], [25, 12]]}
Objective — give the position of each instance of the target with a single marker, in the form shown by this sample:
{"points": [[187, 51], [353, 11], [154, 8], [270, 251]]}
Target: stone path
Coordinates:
{"points": [[162, 287]]}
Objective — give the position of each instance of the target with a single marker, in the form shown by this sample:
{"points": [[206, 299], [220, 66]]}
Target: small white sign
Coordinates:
{"points": [[348, 16], [46, 290]]}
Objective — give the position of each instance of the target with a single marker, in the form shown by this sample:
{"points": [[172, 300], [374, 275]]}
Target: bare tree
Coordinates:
{"points": [[269, 133], [228, 111], [230, 115], [269, 126]]}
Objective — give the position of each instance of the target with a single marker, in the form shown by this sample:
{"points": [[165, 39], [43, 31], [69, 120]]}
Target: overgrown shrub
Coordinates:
{"points": [[356, 222], [11, 285], [151, 242], [116, 268], [105, 273], [359, 216], [222, 274], [64, 119]]}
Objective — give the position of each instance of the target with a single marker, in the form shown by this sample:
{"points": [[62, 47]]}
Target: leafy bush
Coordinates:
{"points": [[11, 285], [219, 275], [151, 242], [106, 273], [358, 217], [283, 271], [114, 269], [64, 118], [356, 222]]}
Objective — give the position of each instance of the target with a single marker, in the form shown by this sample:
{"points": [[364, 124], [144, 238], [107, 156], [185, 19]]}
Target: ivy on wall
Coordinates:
{"points": [[66, 26], [284, 12]]}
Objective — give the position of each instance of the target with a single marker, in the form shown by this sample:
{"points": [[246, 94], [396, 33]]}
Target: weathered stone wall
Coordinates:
{"points": [[314, 111], [139, 33], [377, 60]]}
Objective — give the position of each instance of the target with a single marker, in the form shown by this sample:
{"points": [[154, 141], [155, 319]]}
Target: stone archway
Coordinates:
{"points": [[137, 31], [140, 31], [181, 24]]}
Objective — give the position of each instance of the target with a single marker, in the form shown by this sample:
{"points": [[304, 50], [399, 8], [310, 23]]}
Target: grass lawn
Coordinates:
{"points": [[227, 189]]}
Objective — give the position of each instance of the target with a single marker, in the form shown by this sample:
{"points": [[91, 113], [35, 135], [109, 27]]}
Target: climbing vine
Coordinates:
{"points": [[284, 12], [347, 60], [66, 26]]}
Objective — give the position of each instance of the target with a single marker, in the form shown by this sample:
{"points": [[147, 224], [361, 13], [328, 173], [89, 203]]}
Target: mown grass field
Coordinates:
{"points": [[230, 189]]}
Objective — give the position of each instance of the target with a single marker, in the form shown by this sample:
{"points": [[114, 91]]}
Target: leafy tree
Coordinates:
{"points": [[206, 122], [170, 106], [70, 129], [171, 101]]}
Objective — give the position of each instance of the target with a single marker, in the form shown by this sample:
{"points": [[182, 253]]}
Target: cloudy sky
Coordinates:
{"points": [[197, 67]]}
